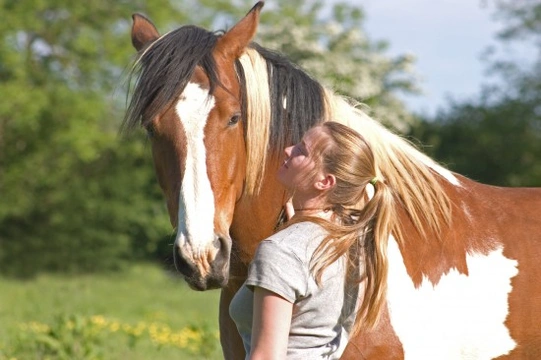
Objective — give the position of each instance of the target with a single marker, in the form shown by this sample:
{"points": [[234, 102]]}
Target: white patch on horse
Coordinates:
{"points": [[461, 317], [196, 201]]}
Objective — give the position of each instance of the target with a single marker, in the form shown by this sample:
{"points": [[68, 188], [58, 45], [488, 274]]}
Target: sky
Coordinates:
{"points": [[447, 37]]}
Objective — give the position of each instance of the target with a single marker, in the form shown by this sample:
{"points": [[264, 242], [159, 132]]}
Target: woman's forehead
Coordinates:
{"points": [[313, 136]]}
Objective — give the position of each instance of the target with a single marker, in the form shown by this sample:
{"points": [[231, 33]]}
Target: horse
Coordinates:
{"points": [[219, 109]]}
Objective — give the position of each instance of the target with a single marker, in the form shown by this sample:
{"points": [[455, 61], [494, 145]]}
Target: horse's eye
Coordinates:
{"points": [[234, 119]]}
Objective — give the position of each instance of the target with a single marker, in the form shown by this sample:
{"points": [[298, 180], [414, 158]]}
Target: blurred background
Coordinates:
{"points": [[85, 241]]}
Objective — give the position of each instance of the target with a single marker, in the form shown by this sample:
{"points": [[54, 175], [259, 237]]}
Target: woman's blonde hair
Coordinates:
{"points": [[363, 220]]}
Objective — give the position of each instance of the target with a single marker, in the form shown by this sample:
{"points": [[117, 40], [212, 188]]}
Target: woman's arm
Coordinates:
{"points": [[271, 322]]}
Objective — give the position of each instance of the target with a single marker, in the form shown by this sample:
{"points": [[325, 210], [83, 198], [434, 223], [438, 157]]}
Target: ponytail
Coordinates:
{"points": [[380, 226]]}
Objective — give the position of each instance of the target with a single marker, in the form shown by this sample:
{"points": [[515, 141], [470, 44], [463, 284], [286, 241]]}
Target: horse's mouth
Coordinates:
{"points": [[217, 274], [200, 284]]}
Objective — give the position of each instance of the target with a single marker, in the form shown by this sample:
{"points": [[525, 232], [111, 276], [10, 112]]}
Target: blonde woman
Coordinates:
{"points": [[300, 298]]}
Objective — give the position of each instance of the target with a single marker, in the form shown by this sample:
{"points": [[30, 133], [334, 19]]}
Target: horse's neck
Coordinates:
{"points": [[256, 216]]}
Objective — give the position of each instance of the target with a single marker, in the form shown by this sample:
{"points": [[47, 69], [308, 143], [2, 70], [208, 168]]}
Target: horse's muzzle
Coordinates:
{"points": [[216, 273]]}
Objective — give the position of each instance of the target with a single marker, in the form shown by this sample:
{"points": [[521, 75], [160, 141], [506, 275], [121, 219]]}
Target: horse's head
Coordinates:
{"points": [[188, 98]]}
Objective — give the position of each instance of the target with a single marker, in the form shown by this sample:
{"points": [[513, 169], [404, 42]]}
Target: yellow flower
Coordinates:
{"points": [[114, 326], [38, 327], [127, 328], [138, 330], [99, 320]]}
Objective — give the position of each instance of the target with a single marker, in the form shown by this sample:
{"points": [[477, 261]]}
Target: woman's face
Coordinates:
{"points": [[298, 165]]}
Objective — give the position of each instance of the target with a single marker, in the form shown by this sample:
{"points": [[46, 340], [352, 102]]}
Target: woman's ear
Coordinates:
{"points": [[326, 183]]}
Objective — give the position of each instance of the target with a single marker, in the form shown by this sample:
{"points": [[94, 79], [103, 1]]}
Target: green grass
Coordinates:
{"points": [[95, 317]]}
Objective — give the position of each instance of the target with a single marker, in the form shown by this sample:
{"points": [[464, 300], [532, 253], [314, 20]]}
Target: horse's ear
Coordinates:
{"points": [[143, 31], [233, 42]]}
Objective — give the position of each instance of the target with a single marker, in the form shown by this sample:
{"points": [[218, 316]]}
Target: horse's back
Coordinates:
{"points": [[512, 217]]}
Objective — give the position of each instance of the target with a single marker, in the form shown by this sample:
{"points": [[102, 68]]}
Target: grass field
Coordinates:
{"points": [[143, 313]]}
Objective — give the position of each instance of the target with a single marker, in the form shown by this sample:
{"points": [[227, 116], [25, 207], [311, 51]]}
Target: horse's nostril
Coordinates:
{"points": [[221, 262], [180, 263], [225, 245]]}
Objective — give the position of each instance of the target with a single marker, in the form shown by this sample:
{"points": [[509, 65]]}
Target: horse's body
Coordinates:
{"points": [[220, 110], [475, 293]]}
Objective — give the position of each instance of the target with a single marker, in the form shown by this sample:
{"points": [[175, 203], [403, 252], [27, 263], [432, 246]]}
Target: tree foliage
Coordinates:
{"points": [[520, 19], [496, 143], [73, 196]]}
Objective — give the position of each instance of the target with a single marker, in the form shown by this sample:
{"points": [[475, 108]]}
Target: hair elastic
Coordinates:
{"points": [[374, 181]]}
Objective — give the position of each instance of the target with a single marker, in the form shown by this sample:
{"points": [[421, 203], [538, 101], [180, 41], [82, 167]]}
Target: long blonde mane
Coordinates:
{"points": [[259, 115], [414, 177]]}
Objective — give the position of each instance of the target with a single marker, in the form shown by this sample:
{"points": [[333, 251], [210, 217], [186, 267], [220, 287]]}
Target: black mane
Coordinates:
{"points": [[303, 95], [164, 69]]}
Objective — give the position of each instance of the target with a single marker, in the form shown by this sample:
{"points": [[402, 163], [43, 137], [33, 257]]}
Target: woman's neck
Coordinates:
{"points": [[309, 211], [311, 207], [311, 204]]}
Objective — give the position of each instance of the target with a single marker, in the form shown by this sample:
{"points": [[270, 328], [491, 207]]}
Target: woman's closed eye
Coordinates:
{"points": [[298, 150]]}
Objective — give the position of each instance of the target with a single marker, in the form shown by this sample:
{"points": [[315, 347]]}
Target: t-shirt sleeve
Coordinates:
{"points": [[277, 269]]}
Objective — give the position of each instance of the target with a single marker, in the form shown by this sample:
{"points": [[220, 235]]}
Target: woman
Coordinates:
{"points": [[299, 300]]}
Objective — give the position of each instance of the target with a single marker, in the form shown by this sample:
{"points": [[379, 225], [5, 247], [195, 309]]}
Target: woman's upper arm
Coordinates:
{"points": [[271, 322]]}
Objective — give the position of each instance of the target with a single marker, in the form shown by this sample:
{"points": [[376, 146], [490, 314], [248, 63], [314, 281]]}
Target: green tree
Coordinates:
{"points": [[72, 196], [495, 143]]}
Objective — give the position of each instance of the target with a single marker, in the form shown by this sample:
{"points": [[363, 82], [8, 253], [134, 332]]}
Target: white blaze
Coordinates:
{"points": [[196, 201], [462, 317]]}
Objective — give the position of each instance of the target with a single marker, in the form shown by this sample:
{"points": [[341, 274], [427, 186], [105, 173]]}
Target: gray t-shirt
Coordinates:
{"points": [[322, 316]]}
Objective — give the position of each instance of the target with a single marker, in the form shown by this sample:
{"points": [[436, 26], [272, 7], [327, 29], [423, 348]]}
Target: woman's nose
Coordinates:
{"points": [[287, 151]]}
